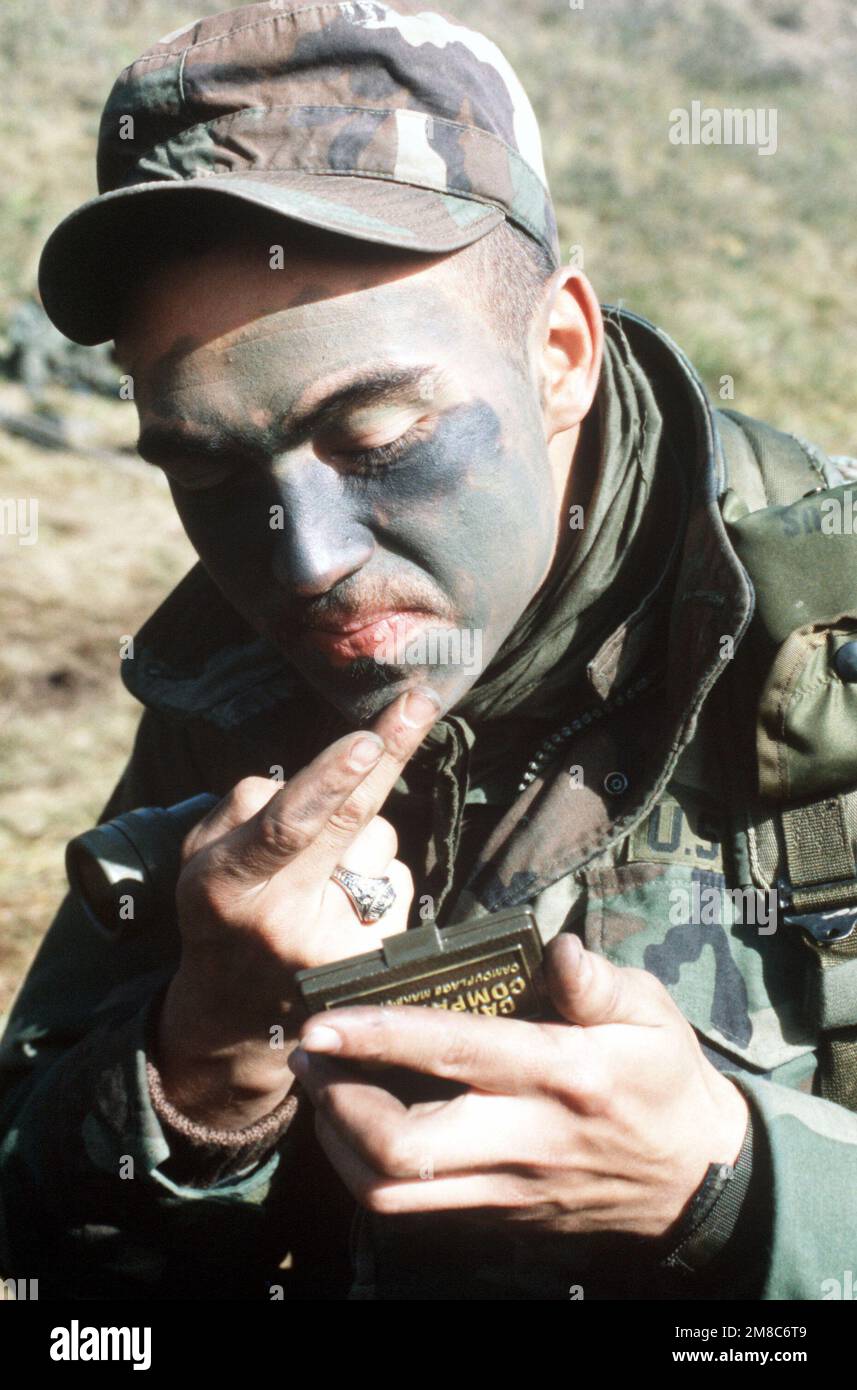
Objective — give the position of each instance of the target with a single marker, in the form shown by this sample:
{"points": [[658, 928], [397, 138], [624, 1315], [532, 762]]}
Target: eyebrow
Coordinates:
{"points": [[160, 444]]}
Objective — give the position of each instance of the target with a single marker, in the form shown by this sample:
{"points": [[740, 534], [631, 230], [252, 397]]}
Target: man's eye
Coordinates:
{"points": [[203, 479], [363, 462]]}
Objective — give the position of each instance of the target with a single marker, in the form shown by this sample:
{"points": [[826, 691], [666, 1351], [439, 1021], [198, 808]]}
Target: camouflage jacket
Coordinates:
{"points": [[99, 1197]]}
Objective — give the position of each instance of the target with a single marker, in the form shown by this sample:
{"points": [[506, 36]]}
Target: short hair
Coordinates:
{"points": [[505, 271], [509, 269]]}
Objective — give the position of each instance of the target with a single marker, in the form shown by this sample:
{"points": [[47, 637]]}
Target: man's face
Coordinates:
{"points": [[360, 465]]}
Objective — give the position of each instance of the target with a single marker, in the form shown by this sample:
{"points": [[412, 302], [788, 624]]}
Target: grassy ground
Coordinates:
{"points": [[749, 262], [110, 546]]}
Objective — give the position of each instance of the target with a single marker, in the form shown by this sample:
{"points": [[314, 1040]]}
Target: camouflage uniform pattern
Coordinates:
{"points": [[655, 815], [378, 121]]}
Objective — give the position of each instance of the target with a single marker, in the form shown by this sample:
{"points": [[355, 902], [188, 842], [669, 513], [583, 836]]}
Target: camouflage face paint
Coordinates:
{"points": [[364, 476]]}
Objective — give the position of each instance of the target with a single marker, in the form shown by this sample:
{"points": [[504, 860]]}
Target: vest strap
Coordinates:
{"points": [[819, 897]]}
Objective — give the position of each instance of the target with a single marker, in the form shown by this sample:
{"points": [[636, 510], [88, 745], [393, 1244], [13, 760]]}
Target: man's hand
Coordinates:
{"points": [[608, 1125], [256, 904]]}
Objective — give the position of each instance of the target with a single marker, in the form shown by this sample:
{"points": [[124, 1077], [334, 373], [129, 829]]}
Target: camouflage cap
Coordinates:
{"points": [[373, 120]]}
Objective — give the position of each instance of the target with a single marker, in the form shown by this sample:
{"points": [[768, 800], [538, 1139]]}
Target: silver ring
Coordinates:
{"points": [[370, 897]]}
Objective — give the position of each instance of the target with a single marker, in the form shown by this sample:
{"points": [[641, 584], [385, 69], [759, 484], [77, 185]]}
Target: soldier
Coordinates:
{"points": [[325, 249]]}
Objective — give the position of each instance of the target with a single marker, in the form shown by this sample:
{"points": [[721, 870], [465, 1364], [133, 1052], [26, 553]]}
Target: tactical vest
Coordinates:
{"points": [[790, 711]]}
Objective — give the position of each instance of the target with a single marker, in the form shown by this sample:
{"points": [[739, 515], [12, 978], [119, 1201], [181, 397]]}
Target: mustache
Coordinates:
{"points": [[361, 594]]}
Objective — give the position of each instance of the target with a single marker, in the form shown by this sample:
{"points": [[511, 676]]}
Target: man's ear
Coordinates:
{"points": [[569, 349]]}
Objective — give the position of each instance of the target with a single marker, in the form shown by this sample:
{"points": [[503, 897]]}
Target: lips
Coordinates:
{"points": [[363, 635]]}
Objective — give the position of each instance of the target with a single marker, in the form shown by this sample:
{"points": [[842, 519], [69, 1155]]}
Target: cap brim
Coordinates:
{"points": [[89, 259]]}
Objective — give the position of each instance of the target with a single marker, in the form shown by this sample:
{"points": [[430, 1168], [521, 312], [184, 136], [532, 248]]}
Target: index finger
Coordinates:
{"points": [[402, 726], [324, 807], [506, 1056]]}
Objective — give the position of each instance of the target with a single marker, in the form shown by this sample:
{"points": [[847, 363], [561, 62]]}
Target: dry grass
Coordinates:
{"points": [[109, 547]]}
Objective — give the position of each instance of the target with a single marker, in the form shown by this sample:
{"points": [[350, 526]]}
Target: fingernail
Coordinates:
{"points": [[575, 945], [419, 707], [579, 960], [298, 1061], [365, 753], [321, 1039], [583, 965]]}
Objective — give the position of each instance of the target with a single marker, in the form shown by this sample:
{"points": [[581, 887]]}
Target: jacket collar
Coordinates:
{"points": [[558, 825]]}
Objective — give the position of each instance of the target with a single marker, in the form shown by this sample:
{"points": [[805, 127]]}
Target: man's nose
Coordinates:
{"points": [[322, 540]]}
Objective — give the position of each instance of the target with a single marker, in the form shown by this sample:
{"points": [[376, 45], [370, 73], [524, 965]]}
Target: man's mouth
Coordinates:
{"points": [[348, 638]]}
